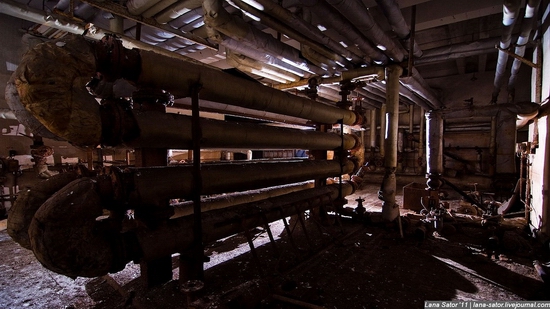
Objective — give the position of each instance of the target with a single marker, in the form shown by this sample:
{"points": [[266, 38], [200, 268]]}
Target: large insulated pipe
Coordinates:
{"points": [[388, 189], [175, 132], [51, 81], [510, 12], [358, 14], [523, 38], [96, 248], [390, 8], [149, 185]]}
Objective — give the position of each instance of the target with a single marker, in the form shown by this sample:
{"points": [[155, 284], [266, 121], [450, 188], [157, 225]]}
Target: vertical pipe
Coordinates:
{"points": [[390, 209], [421, 133], [411, 118], [372, 139], [493, 146], [434, 149], [198, 253], [411, 42], [382, 130]]}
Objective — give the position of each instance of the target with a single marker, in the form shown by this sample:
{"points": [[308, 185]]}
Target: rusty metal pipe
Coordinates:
{"points": [[149, 185]]}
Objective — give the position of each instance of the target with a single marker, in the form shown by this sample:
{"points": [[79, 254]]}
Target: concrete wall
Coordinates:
{"points": [[540, 214]]}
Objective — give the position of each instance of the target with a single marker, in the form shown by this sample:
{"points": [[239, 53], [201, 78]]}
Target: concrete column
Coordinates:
{"points": [[390, 209]]}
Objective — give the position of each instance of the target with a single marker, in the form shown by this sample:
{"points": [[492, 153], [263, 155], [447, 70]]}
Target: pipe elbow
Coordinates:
{"points": [[28, 202], [66, 237], [50, 84]]}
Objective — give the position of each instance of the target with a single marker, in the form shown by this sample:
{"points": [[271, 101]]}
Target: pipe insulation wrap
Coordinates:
{"points": [[50, 83]]}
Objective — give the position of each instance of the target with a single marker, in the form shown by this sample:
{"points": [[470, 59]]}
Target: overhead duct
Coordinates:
{"points": [[523, 38], [391, 10], [249, 65], [218, 18], [306, 28], [360, 16], [178, 9], [418, 85], [460, 50], [510, 12], [343, 26], [340, 55]]}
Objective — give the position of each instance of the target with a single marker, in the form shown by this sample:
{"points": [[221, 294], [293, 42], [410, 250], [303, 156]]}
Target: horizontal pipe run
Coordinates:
{"points": [[150, 185], [177, 76], [221, 223], [175, 132], [97, 247], [236, 198]]}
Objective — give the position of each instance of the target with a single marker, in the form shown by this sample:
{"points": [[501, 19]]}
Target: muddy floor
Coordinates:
{"points": [[337, 263]]}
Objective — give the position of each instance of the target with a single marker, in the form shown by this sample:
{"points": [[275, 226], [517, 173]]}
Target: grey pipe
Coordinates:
{"points": [[390, 209], [344, 27], [418, 85], [382, 133], [300, 30], [358, 14], [391, 10], [510, 12], [526, 28], [218, 18]]}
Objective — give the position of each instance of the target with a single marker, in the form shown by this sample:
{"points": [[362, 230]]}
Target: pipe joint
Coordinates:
{"points": [[114, 61]]}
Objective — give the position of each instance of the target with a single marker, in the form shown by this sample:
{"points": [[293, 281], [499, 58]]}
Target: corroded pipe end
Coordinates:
{"points": [[28, 202], [50, 83], [65, 236]]}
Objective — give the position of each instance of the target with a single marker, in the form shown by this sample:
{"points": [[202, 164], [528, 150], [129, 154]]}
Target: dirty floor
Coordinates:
{"points": [[344, 265]]}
